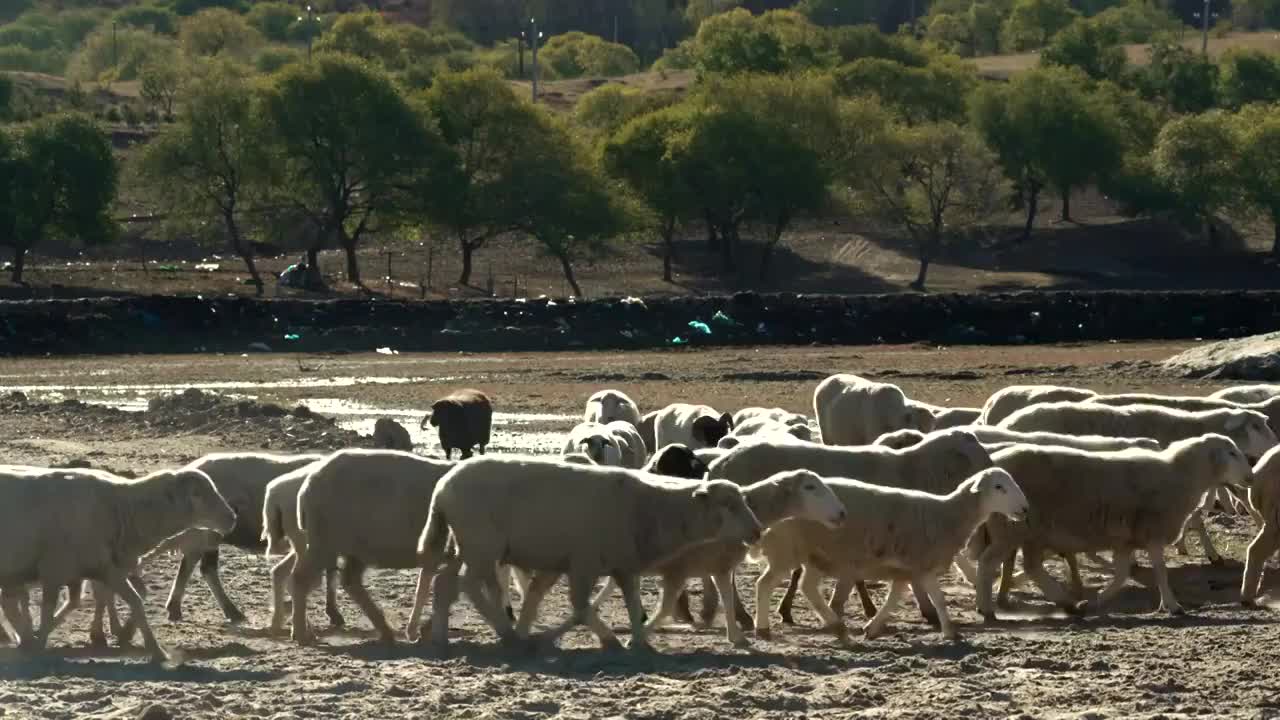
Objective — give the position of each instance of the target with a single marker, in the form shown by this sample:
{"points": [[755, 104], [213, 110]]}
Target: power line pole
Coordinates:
{"points": [[534, 35], [1204, 31]]}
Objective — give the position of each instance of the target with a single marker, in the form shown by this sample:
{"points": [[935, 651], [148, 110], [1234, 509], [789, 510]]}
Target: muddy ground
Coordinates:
{"points": [[1219, 661]]}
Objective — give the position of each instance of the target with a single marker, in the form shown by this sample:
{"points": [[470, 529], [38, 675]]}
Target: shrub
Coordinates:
{"points": [[21, 59], [218, 31], [102, 58], [147, 17], [575, 54], [274, 19], [273, 57]]}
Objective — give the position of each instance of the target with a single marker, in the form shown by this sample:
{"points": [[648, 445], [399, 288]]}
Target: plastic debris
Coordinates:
{"points": [[208, 267], [678, 341], [631, 300], [723, 319], [293, 336], [700, 326], [387, 351], [259, 347]]}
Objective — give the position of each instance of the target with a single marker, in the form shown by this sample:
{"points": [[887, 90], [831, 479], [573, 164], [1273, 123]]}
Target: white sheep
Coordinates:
{"points": [[554, 518], [905, 536], [1247, 393], [1191, 403], [367, 507], [606, 406], [776, 414], [990, 436], [855, 411], [59, 526], [647, 429], [759, 427], [280, 526], [595, 441], [696, 426], [1089, 501], [1264, 497], [242, 479], [786, 495], [945, 418], [1013, 398], [936, 465]]}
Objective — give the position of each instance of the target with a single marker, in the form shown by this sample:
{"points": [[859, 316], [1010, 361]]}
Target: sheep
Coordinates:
{"points": [[697, 426], [607, 406], [280, 524], [391, 435], [553, 518], [797, 494], [1269, 407], [944, 418], [762, 413], [367, 507], [707, 455], [1009, 400], [1247, 393], [678, 461], [242, 478], [906, 536], [936, 465], [58, 526], [646, 428], [991, 436], [578, 458], [1088, 501], [465, 419], [757, 427], [1264, 498], [855, 411], [629, 442], [596, 442]]}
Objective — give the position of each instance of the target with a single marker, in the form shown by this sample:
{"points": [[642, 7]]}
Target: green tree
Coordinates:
{"points": [[1089, 46], [161, 85], [575, 54], [932, 93], [696, 11], [1259, 167], [218, 31], [931, 180], [606, 109], [1194, 156], [147, 17], [6, 97], [355, 153], [1248, 76], [1183, 80], [639, 153], [1136, 21], [274, 19], [365, 35], [63, 181], [1032, 23], [121, 55], [212, 161]]}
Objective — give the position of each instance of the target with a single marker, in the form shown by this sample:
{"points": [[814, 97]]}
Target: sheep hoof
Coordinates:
{"points": [[1176, 611], [1003, 603], [336, 619], [741, 642], [1249, 603], [933, 621], [951, 636], [989, 618], [175, 614], [613, 645], [786, 618], [235, 618], [764, 633], [511, 614], [1078, 608], [642, 648], [97, 640]]}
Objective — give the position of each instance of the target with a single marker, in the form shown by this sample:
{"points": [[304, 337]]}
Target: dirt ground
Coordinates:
{"points": [[1218, 661]]}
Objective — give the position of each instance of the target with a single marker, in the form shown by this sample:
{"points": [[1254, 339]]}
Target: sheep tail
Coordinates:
{"points": [[437, 546]]}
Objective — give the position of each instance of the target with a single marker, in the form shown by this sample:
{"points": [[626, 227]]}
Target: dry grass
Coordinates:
{"points": [[1002, 66]]}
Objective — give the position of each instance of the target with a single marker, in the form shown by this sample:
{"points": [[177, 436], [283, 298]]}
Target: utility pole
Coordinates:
{"points": [[520, 52], [115, 49], [533, 38], [1204, 30], [310, 29]]}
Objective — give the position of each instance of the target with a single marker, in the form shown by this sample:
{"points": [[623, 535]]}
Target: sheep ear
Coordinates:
{"points": [[727, 420]]}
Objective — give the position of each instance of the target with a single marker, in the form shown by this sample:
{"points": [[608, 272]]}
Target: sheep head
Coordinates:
{"points": [[809, 498], [999, 493], [728, 512], [709, 429]]}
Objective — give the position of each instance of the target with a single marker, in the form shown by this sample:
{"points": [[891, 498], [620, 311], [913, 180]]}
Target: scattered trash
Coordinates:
{"points": [[294, 276], [259, 347], [551, 303], [700, 326], [208, 267], [627, 334], [387, 351], [293, 336], [723, 319], [678, 341], [632, 301], [167, 268]]}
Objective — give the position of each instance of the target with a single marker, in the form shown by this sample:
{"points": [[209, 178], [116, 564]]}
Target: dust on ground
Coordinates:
{"points": [[1218, 661]]}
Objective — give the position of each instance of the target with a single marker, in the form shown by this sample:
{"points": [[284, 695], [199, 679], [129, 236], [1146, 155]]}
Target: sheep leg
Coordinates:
{"points": [[809, 586], [668, 600], [539, 585], [1073, 568], [683, 613], [14, 600], [710, 601], [179, 587], [876, 625], [1262, 547], [966, 569], [49, 593], [124, 633], [103, 604], [864, 596], [505, 574], [331, 598], [119, 584], [444, 593], [630, 586], [789, 598], [472, 581], [279, 576], [209, 571], [301, 582], [729, 598], [70, 605], [1008, 579], [353, 582], [1123, 565], [420, 593], [989, 562], [1168, 602], [1033, 564], [1196, 524], [933, 591], [840, 595], [768, 581]]}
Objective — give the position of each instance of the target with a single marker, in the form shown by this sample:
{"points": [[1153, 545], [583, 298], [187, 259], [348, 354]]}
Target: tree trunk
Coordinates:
{"points": [[1275, 228], [467, 249], [728, 243], [927, 250], [19, 262], [668, 248], [239, 248], [1033, 206], [766, 255], [315, 281], [1211, 231], [922, 275], [568, 275], [353, 266], [1066, 205]]}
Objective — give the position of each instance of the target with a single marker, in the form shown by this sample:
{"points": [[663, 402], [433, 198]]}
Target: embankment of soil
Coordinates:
{"points": [[181, 324]]}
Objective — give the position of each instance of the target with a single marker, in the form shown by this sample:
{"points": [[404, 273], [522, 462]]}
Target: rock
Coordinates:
{"points": [[1250, 358], [155, 712]]}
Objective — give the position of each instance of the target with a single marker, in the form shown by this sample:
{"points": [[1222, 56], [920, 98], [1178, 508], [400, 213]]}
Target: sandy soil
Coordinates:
{"points": [[1219, 661]]}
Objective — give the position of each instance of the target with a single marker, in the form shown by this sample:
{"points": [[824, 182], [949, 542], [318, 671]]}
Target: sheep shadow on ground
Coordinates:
{"points": [[127, 665]]}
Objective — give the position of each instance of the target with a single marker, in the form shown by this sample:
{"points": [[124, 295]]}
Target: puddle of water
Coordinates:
{"points": [[328, 382]]}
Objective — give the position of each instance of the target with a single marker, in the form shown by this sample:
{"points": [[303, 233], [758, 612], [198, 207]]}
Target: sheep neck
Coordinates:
{"points": [[764, 499], [675, 533], [147, 515]]}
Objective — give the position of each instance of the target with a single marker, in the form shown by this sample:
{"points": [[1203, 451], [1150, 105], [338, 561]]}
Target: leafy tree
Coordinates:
{"points": [[606, 109], [272, 58], [930, 180], [1032, 23], [778, 41], [365, 35], [1183, 80], [187, 8], [161, 84], [1137, 21], [1194, 157], [62, 180], [1255, 14], [1089, 46], [121, 56], [274, 19], [575, 54], [1248, 76], [355, 153], [147, 17], [932, 93], [639, 153], [6, 97], [1259, 168], [866, 41], [218, 31], [696, 11], [1048, 129], [212, 161], [951, 32]]}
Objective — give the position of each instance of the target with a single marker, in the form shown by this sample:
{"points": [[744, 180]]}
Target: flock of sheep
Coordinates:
{"points": [[897, 490]]}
